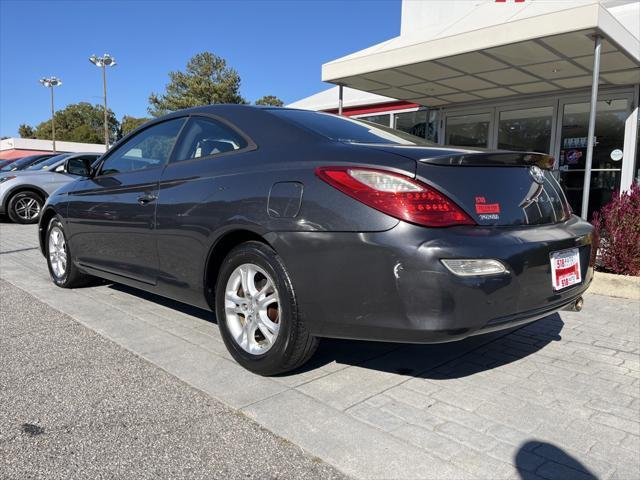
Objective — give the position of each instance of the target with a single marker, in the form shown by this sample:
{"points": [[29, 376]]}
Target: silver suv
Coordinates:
{"points": [[23, 192]]}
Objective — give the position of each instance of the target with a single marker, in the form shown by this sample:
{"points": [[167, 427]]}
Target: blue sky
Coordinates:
{"points": [[276, 46]]}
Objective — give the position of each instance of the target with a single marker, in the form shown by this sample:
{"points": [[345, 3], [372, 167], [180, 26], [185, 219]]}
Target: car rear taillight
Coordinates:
{"points": [[396, 195]]}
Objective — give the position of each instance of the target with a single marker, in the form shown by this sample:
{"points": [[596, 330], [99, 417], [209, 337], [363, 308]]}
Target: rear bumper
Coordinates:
{"points": [[391, 286]]}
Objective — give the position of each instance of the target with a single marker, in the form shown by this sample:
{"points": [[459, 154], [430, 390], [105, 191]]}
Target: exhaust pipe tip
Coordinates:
{"points": [[576, 306]]}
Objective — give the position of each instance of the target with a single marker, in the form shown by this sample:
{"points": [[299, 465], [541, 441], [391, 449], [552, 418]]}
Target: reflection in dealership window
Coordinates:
{"points": [[421, 123], [527, 130], [379, 119]]}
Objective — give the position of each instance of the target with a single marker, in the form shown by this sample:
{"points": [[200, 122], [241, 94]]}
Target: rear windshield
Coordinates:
{"points": [[345, 129]]}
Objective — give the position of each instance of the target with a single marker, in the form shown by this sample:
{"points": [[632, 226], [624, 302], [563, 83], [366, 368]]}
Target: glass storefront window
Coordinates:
{"points": [[468, 130], [527, 130], [414, 123], [379, 119], [607, 151], [604, 184], [610, 123], [636, 167], [421, 123]]}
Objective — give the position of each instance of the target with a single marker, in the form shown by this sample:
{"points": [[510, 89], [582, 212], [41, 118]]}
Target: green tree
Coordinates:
{"points": [[26, 131], [270, 100], [206, 80], [129, 123], [80, 122]]}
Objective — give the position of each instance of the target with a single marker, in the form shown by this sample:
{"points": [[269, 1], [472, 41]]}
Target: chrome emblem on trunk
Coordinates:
{"points": [[537, 174]]}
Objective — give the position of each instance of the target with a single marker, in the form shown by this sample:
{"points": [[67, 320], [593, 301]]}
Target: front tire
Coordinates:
{"points": [[25, 207], [62, 270], [257, 312]]}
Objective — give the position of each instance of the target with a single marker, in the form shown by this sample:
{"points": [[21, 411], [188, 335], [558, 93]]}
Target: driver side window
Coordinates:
{"points": [[148, 149]]}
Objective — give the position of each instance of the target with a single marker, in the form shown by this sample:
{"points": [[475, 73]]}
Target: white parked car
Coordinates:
{"points": [[24, 192]]}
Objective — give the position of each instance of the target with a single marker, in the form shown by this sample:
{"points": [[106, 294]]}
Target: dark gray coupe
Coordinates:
{"points": [[294, 225]]}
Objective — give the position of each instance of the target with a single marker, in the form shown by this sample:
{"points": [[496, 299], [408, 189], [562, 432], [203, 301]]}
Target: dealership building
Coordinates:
{"points": [[529, 75], [14, 148]]}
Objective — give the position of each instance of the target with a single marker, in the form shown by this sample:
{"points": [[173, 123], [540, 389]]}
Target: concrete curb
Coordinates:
{"points": [[621, 286]]}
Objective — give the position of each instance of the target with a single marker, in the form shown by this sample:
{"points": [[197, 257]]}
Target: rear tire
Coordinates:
{"points": [[258, 314], [63, 272], [25, 207]]}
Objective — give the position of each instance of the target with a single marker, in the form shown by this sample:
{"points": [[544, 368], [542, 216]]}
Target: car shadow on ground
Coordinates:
{"points": [[196, 312], [444, 360], [436, 361], [561, 465]]}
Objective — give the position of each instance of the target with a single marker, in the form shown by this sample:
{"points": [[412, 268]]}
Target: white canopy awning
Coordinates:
{"points": [[547, 52], [328, 99]]}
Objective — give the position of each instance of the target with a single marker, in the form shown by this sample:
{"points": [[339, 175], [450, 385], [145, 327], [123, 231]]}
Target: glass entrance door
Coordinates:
{"points": [[607, 152]]}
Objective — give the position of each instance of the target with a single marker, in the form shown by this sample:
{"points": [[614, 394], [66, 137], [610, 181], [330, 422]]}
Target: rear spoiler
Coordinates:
{"points": [[493, 159]]}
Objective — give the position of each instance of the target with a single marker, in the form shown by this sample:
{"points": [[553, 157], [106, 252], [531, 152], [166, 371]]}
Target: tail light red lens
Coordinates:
{"points": [[396, 195]]}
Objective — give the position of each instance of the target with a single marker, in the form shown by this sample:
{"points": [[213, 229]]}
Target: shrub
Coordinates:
{"points": [[618, 228]]}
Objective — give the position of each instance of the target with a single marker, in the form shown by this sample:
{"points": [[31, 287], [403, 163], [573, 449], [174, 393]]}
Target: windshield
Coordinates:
{"points": [[45, 164], [19, 164], [345, 129]]}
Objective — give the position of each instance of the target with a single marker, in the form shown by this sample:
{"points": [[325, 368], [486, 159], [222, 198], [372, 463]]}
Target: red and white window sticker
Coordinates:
{"points": [[565, 268]]}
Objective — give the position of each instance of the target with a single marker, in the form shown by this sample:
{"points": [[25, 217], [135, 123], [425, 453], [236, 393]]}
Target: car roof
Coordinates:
{"points": [[254, 121], [82, 154]]}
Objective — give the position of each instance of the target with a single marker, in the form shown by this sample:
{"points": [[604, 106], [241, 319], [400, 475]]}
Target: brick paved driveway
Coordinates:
{"points": [[559, 398]]}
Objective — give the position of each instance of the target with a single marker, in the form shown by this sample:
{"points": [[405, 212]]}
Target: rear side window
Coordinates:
{"points": [[345, 129], [204, 137]]}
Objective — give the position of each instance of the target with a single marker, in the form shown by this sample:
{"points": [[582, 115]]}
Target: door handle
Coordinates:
{"points": [[146, 198]]}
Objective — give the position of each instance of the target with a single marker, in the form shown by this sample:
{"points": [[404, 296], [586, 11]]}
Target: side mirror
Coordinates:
{"points": [[78, 166]]}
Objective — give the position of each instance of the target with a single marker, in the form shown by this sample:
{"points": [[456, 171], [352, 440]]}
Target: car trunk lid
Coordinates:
{"points": [[494, 188]]}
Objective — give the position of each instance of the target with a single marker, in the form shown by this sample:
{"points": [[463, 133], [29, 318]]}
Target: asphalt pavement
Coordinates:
{"points": [[76, 405]]}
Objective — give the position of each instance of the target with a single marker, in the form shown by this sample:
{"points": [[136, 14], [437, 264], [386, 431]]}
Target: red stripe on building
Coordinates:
{"points": [[383, 107]]}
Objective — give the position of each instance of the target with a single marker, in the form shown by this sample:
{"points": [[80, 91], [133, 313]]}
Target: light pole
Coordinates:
{"points": [[50, 83], [104, 61]]}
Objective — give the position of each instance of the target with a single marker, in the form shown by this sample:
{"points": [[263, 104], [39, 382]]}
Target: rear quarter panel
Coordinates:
{"points": [[202, 200]]}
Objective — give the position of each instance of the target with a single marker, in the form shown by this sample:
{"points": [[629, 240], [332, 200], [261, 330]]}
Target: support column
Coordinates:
{"points": [[592, 126], [340, 93]]}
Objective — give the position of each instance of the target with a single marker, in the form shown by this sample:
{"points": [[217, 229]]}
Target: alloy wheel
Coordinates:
{"points": [[27, 208], [252, 308], [57, 252]]}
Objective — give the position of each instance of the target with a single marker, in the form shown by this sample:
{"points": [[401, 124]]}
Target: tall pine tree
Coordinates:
{"points": [[206, 80]]}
